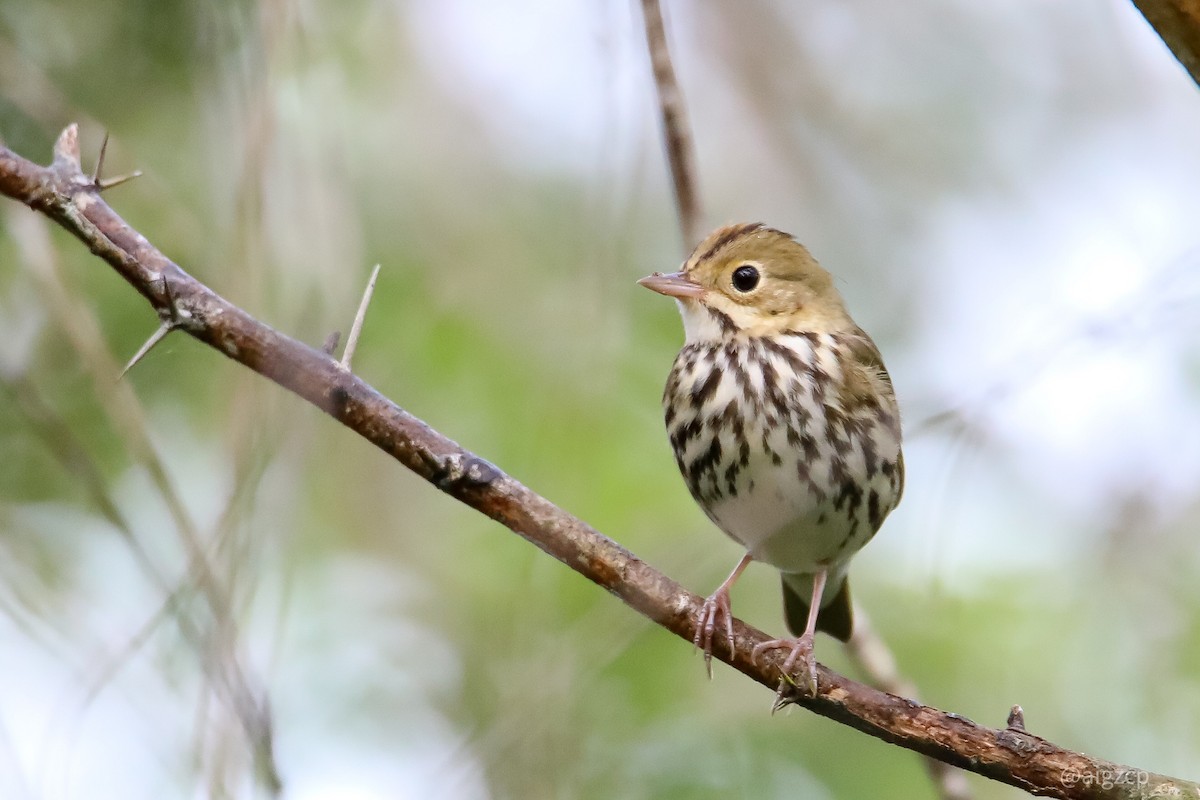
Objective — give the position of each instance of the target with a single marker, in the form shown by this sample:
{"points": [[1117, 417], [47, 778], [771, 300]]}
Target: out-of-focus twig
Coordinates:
{"points": [[875, 661], [220, 659], [676, 131]]}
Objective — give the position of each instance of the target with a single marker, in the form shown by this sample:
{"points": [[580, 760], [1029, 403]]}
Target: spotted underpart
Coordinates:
{"points": [[790, 443]]}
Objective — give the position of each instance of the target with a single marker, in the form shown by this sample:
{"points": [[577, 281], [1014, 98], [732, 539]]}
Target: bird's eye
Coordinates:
{"points": [[745, 278]]}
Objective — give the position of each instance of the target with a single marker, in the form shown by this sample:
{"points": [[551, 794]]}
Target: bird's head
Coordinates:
{"points": [[753, 280]]}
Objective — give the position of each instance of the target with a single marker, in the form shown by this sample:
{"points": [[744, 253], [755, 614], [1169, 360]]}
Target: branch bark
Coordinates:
{"points": [[1177, 23], [1010, 755]]}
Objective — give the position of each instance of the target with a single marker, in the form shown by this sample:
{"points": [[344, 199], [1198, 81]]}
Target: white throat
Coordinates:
{"points": [[703, 325]]}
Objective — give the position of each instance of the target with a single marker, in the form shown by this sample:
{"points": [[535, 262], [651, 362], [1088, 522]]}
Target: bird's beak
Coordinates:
{"points": [[673, 284]]}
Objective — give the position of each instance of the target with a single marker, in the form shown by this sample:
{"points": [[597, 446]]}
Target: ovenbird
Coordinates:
{"points": [[784, 425]]}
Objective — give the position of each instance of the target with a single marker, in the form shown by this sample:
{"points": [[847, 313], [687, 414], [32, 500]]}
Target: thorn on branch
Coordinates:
{"points": [[1016, 719], [171, 317], [331, 343], [166, 327], [356, 328], [103, 184], [1015, 737], [100, 160]]}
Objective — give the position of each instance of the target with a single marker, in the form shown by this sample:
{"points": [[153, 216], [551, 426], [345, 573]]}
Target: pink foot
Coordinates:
{"points": [[716, 605], [801, 656]]}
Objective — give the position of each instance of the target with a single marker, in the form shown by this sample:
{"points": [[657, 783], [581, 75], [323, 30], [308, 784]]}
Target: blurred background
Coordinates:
{"points": [[1008, 194]]}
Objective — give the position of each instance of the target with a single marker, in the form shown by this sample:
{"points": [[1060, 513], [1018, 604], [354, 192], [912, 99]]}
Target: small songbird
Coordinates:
{"points": [[784, 425]]}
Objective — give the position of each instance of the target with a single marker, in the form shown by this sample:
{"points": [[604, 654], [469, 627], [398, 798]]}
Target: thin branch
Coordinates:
{"points": [[676, 132], [1015, 757]]}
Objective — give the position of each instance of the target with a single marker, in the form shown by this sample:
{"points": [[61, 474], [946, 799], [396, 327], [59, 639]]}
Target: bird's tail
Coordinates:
{"points": [[835, 616]]}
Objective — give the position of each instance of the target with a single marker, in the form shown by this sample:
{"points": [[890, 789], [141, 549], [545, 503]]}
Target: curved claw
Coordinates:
{"points": [[801, 655], [715, 606]]}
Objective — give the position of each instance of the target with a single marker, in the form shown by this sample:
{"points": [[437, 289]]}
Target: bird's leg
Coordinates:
{"points": [[715, 606], [801, 647]]}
